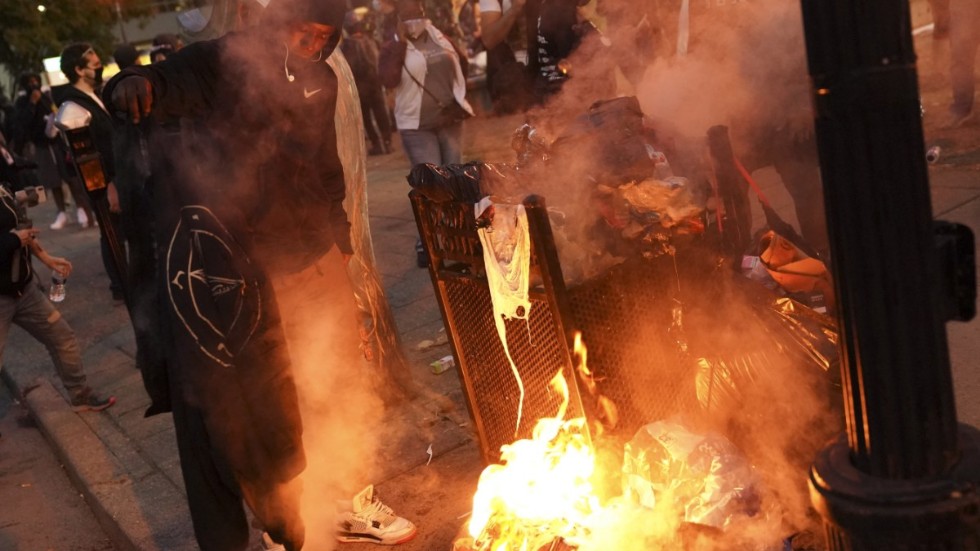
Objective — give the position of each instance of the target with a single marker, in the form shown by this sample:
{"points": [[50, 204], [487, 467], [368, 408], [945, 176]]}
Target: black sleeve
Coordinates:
{"points": [[102, 131], [22, 124], [9, 244], [390, 63], [184, 84]]}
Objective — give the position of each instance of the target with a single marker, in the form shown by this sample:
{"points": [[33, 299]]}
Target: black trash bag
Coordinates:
{"points": [[441, 184], [467, 183]]}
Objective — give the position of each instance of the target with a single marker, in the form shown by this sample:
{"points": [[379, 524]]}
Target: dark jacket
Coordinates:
{"points": [[361, 52], [15, 261], [265, 155], [29, 123], [255, 190], [101, 126]]}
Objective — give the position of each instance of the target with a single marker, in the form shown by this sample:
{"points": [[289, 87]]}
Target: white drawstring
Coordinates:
{"points": [[285, 64]]}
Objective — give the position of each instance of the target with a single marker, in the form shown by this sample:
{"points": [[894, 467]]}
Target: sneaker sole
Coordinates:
{"points": [[356, 537], [107, 405]]}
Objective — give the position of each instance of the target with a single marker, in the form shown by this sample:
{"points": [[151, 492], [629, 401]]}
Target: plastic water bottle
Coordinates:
{"points": [[57, 292]]}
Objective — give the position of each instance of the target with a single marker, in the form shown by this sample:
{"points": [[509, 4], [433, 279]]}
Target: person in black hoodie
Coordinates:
{"points": [[24, 303], [255, 195], [83, 68]]}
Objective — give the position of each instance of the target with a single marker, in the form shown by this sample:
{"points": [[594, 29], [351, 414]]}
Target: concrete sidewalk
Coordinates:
{"points": [[127, 467]]}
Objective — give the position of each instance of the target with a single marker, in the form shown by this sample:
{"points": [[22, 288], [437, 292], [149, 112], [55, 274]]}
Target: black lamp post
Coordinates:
{"points": [[906, 475]]}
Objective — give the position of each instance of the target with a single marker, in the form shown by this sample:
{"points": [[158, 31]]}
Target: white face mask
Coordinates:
{"points": [[415, 27]]}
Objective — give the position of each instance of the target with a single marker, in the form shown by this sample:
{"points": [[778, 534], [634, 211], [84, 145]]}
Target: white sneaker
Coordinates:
{"points": [[372, 521], [60, 221], [270, 545], [82, 218]]}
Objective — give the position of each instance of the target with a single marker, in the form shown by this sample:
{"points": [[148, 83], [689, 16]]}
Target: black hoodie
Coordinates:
{"points": [[255, 189], [263, 156]]}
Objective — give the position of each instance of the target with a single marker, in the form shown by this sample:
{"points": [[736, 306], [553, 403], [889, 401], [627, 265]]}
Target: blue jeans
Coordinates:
{"points": [[439, 146], [33, 312]]}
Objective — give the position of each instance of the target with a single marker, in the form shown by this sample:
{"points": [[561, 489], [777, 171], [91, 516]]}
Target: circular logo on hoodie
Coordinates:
{"points": [[211, 285]]}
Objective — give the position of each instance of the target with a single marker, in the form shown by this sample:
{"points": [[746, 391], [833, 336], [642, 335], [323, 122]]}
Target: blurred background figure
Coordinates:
{"points": [[468, 18], [361, 51], [425, 69], [163, 45], [562, 27], [36, 139], [387, 20], [443, 14], [504, 35], [125, 55]]}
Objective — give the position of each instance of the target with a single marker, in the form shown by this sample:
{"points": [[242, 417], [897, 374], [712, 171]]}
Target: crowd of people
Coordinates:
{"points": [[233, 139]]}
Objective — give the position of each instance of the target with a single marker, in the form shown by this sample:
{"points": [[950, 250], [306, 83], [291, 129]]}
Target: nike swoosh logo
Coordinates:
{"points": [[307, 95]]}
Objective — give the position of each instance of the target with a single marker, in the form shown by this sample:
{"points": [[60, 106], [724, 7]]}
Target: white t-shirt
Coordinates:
{"points": [[494, 5], [517, 43]]}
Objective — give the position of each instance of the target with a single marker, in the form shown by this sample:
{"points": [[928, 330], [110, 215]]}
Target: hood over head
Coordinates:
{"points": [[282, 13]]}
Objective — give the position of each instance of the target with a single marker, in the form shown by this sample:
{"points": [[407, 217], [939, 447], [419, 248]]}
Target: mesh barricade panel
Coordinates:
{"points": [[535, 348], [625, 316], [536, 345]]}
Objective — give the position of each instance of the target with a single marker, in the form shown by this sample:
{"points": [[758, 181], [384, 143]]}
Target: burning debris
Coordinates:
{"points": [[638, 204], [547, 492], [645, 263]]}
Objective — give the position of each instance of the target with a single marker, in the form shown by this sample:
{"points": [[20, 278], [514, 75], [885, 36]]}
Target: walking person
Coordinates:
{"points": [[36, 139], [426, 71], [361, 52], [25, 304]]}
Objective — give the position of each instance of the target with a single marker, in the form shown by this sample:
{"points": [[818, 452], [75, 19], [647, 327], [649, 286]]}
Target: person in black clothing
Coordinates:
{"points": [[361, 52], [125, 55], [83, 68], [32, 110], [134, 184], [256, 197], [24, 303]]}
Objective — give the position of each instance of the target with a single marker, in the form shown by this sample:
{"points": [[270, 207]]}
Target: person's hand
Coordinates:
{"points": [[26, 235], [60, 265], [112, 195], [133, 95], [35, 96]]}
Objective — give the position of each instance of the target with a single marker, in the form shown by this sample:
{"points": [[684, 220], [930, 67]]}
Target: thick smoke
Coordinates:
{"points": [[255, 161], [745, 69]]}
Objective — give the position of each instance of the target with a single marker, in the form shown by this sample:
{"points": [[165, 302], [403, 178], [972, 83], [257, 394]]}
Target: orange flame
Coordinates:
{"points": [[543, 491]]}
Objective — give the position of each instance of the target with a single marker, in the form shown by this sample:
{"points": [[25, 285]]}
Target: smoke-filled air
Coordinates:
{"points": [[760, 410]]}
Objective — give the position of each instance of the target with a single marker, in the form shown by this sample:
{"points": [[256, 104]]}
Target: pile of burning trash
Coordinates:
{"points": [[677, 489], [653, 285], [637, 204]]}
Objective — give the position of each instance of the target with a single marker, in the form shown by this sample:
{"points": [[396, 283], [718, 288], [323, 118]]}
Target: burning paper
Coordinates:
{"points": [[705, 475], [541, 492]]}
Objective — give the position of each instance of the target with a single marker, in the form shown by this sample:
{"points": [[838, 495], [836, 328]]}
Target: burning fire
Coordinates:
{"points": [[542, 492], [543, 495]]}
